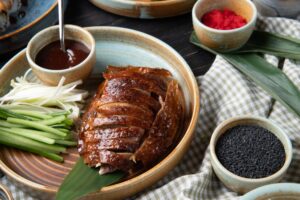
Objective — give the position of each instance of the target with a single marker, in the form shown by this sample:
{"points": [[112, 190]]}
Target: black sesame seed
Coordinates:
{"points": [[250, 151]]}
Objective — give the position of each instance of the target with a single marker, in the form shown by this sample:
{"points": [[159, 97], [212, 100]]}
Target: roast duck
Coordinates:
{"points": [[132, 121]]}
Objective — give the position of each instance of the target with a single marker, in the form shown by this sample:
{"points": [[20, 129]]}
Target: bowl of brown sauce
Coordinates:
{"points": [[50, 63], [248, 152]]}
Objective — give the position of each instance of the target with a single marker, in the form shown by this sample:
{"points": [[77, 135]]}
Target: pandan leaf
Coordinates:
{"points": [[264, 74], [83, 180], [274, 44]]}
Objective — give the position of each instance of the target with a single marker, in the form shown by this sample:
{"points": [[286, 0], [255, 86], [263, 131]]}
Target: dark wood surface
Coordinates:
{"points": [[174, 31]]}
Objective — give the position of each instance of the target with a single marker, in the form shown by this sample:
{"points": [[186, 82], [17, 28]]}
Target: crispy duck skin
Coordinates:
{"points": [[132, 121]]}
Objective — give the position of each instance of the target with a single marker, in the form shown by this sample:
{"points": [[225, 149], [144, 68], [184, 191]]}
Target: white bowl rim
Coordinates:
{"points": [[287, 147], [62, 71], [249, 24], [272, 188]]}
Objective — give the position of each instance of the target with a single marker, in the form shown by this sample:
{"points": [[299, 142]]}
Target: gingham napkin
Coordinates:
{"points": [[225, 93]]}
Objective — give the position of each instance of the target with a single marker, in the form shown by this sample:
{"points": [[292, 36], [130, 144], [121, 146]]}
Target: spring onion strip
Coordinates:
{"points": [[61, 97], [41, 133], [9, 141], [36, 125], [63, 130], [61, 113], [30, 135], [29, 143], [69, 122], [52, 121], [66, 143], [32, 114], [4, 113], [31, 107], [60, 125], [9, 125]]}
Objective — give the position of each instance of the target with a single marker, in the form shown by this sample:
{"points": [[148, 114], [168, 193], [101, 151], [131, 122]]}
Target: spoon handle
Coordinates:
{"points": [[61, 24]]}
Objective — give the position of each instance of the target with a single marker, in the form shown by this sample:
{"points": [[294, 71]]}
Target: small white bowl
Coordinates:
{"points": [[224, 40], [237, 183], [51, 34], [274, 191]]}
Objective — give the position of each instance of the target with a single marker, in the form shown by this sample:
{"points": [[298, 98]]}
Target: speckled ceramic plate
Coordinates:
{"points": [[36, 15], [277, 191], [114, 46], [146, 9]]}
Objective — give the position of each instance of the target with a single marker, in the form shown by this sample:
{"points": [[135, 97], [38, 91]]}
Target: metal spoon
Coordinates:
{"points": [[61, 25]]}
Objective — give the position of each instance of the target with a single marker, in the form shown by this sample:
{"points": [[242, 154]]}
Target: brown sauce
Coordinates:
{"points": [[52, 57]]}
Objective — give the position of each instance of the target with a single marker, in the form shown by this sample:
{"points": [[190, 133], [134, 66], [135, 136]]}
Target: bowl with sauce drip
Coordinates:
{"points": [[50, 63]]}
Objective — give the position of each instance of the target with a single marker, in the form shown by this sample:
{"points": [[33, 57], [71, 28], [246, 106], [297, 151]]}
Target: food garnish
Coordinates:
{"points": [[45, 134], [39, 118], [29, 95], [224, 19]]}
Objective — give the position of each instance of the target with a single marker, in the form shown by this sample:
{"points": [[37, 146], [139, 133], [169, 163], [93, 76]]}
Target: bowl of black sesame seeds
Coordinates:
{"points": [[248, 152]]}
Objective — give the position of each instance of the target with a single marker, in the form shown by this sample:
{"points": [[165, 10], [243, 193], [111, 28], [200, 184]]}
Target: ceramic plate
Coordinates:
{"points": [[277, 191], [38, 14], [146, 9], [114, 46]]}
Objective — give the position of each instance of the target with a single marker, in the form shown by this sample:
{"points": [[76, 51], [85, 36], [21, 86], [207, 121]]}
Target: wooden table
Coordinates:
{"points": [[174, 31]]}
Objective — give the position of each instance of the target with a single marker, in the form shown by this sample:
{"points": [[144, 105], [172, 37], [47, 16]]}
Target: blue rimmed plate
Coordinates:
{"points": [[39, 14]]}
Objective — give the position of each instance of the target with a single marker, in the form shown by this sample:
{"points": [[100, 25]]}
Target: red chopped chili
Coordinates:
{"points": [[223, 19]]}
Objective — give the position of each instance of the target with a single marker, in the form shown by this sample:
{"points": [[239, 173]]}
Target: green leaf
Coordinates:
{"points": [[82, 180], [264, 74], [274, 44]]}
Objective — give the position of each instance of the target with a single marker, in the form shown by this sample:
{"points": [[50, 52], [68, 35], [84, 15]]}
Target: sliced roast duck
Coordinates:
{"points": [[133, 119]]}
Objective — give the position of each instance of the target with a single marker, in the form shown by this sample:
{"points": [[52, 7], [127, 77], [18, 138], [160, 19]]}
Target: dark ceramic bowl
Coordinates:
{"points": [[39, 14]]}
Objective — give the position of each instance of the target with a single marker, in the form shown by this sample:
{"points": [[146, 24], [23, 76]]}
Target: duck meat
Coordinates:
{"points": [[133, 119]]}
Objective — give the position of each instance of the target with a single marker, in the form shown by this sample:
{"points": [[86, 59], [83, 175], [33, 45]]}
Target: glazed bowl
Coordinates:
{"points": [[120, 47], [237, 183], [145, 9], [286, 191], [224, 40], [51, 34]]}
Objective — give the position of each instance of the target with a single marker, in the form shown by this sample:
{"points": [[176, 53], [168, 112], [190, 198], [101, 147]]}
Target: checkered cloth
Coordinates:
{"points": [[225, 93]]}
